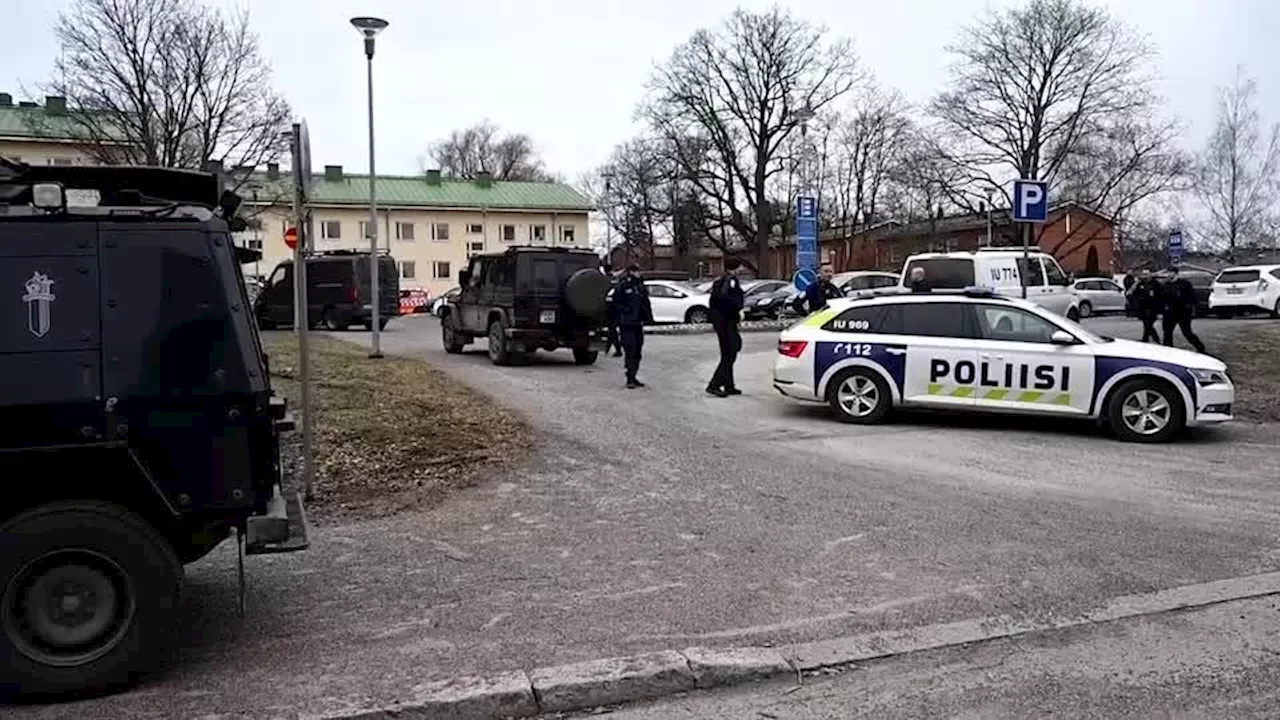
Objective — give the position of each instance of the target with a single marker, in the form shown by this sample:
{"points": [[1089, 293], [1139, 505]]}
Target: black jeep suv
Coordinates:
{"points": [[526, 298]]}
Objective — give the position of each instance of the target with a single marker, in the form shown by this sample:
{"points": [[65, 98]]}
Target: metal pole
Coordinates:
{"points": [[302, 222], [376, 349], [1026, 257]]}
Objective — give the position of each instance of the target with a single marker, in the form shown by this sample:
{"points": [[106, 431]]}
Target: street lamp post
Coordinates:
{"points": [[369, 27]]}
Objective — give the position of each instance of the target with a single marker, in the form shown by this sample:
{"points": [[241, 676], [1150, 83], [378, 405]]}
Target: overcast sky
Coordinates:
{"points": [[569, 72]]}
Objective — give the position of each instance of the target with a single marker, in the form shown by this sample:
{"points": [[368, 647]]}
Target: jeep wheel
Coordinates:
{"points": [[452, 343], [499, 350], [697, 316], [585, 356], [333, 321], [89, 598], [585, 292]]}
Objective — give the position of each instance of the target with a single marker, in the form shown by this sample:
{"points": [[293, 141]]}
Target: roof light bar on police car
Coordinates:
{"points": [[48, 196]]}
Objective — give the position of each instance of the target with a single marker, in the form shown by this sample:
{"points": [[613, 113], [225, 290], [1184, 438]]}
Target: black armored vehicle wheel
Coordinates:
{"points": [[89, 601]]}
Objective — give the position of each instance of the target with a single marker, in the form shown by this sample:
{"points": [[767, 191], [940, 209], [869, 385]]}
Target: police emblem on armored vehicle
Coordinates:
{"points": [[39, 299]]}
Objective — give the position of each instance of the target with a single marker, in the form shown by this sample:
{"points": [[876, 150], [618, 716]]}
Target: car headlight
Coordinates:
{"points": [[763, 302], [1209, 377]]}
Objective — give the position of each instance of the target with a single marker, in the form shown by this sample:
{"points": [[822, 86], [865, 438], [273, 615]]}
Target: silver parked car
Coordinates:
{"points": [[1099, 295]]}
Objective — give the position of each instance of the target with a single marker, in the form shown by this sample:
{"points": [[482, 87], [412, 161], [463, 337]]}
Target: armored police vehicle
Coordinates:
{"points": [[976, 351], [140, 428]]}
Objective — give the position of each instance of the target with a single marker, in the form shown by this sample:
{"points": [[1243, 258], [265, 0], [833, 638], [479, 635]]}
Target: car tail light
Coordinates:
{"points": [[1262, 286], [792, 348], [353, 295]]}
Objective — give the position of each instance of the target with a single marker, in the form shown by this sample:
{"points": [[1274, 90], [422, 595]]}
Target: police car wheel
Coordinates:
{"points": [[1145, 410], [859, 396], [89, 598], [1275, 311]]}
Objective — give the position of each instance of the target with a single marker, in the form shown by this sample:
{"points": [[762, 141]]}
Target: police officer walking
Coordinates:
{"points": [[1146, 303], [821, 290], [1179, 307], [630, 309], [726, 310]]}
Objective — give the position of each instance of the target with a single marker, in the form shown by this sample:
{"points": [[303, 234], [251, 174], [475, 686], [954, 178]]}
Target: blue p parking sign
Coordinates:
{"points": [[1030, 201]]}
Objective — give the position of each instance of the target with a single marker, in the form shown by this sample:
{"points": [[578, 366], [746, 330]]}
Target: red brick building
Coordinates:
{"points": [[1082, 240]]}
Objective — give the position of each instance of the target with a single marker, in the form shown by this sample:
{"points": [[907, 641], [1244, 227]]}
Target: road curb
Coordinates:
{"points": [[614, 681], [692, 329]]}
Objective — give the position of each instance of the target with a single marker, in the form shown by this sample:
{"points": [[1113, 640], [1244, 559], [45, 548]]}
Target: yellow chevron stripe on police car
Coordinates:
{"points": [[819, 318], [1026, 396]]}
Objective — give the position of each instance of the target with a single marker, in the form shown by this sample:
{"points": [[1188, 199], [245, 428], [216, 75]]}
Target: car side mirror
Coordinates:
{"points": [[464, 277], [1062, 337]]}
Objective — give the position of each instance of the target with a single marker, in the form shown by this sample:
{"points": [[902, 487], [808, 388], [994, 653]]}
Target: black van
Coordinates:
{"points": [[337, 292]]}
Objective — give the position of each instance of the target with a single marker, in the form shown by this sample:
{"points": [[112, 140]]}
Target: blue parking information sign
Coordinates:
{"points": [[1030, 201], [1175, 246], [806, 233]]}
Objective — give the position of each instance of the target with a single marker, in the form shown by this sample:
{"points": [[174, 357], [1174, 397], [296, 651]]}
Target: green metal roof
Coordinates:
{"points": [[416, 191], [34, 123]]}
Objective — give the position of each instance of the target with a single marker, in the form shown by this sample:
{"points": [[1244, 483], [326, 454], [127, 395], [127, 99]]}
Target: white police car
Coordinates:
{"points": [[977, 351]]}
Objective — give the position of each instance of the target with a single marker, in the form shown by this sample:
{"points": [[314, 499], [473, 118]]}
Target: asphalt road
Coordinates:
{"points": [[661, 518]]}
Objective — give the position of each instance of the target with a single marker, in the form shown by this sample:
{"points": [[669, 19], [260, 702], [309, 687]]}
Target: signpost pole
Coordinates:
{"points": [[300, 148], [1030, 207]]}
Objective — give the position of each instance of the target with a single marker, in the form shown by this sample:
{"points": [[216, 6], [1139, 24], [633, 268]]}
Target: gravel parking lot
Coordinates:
{"points": [[661, 518]]}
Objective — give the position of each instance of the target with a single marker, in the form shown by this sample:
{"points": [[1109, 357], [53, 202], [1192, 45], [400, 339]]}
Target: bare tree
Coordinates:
{"points": [[172, 83], [740, 91], [632, 191], [1034, 86], [484, 148], [1239, 171], [871, 145]]}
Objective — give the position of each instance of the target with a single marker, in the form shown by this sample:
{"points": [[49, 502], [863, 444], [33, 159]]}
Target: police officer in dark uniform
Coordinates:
{"points": [[726, 310], [630, 308], [611, 328], [821, 290], [1179, 307], [1146, 303]]}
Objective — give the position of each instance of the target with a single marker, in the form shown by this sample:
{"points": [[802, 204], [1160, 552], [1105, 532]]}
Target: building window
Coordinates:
{"points": [[364, 229], [440, 270], [440, 232], [566, 234], [407, 269], [61, 162], [508, 233], [331, 230], [475, 229], [537, 233], [404, 231], [254, 244]]}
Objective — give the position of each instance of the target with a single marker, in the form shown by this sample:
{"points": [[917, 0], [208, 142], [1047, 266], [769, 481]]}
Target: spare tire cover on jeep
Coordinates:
{"points": [[585, 292]]}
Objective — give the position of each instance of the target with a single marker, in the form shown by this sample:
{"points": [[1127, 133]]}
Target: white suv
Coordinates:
{"points": [[1250, 288]]}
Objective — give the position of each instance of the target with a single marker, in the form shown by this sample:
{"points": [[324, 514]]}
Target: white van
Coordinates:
{"points": [[1002, 270], [1249, 288]]}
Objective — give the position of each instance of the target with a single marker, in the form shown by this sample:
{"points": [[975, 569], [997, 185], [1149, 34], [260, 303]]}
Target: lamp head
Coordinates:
{"points": [[369, 26]]}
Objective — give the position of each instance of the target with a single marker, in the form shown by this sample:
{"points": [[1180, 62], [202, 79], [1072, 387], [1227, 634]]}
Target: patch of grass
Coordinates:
{"points": [[1252, 355], [390, 434]]}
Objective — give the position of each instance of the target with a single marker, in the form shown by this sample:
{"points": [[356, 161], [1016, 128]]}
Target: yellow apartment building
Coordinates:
{"points": [[428, 223], [38, 134]]}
